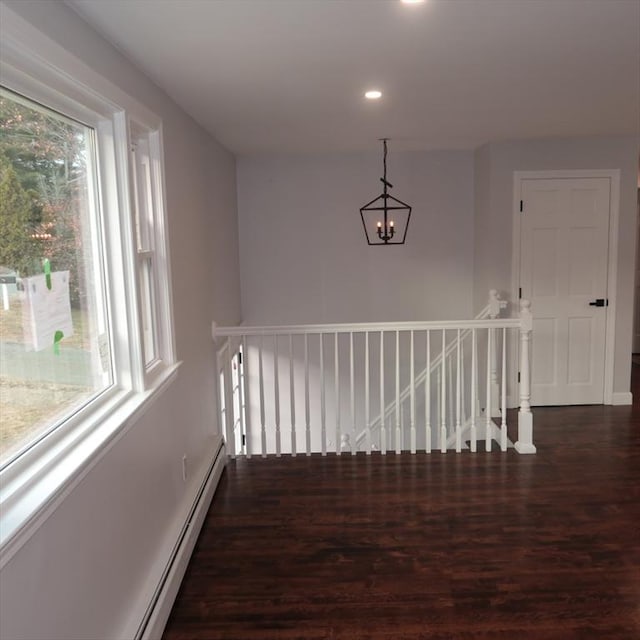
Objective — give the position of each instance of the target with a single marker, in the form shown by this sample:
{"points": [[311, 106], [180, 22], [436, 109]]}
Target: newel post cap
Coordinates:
{"points": [[214, 328], [494, 303], [525, 315]]}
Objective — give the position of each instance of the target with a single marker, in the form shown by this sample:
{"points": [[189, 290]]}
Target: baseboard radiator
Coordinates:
{"points": [[158, 611]]}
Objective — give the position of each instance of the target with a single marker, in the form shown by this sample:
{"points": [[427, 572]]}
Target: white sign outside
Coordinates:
{"points": [[46, 312]]}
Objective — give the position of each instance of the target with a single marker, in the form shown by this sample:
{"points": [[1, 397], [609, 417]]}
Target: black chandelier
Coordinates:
{"points": [[385, 218]]}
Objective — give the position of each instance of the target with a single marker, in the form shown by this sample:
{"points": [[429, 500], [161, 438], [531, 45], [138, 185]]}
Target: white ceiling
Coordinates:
{"points": [[288, 75]]}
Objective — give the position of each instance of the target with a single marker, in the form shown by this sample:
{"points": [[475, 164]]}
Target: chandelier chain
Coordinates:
{"points": [[384, 158]]}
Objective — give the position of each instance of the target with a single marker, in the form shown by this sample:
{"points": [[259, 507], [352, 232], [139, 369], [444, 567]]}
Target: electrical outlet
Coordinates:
{"points": [[184, 467]]}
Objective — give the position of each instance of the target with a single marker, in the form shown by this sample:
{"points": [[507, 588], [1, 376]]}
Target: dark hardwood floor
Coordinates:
{"points": [[439, 546]]}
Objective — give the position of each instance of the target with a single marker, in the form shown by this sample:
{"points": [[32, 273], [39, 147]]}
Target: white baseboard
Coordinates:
{"points": [[622, 398], [156, 620]]}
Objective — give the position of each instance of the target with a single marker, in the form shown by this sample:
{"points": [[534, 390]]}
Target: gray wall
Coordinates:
{"points": [[304, 256], [91, 567]]}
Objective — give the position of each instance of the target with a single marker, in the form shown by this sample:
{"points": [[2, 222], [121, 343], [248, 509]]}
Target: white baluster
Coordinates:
{"points": [[367, 417], [228, 403], [245, 410], [487, 410], [525, 417], [458, 398], [263, 426], [383, 430], [474, 389], [412, 394], [463, 394], [218, 353], [451, 415], [323, 409], [495, 387], [353, 394], [503, 428], [443, 394], [307, 411], [427, 396], [398, 422], [276, 393], [494, 312], [336, 376], [292, 395], [439, 402]]}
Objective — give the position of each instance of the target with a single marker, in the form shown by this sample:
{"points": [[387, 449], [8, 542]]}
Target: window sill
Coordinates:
{"points": [[31, 489]]}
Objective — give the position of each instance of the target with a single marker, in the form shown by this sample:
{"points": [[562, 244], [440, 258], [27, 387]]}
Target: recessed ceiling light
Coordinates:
{"points": [[412, 1], [373, 95]]}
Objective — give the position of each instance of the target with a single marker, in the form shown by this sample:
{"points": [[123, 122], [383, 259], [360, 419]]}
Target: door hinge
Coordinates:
{"points": [[520, 293], [239, 357], [518, 376], [521, 206], [244, 440]]}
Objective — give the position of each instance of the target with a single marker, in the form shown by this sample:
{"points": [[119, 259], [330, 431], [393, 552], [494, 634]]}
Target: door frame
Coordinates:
{"points": [[612, 258], [635, 341]]}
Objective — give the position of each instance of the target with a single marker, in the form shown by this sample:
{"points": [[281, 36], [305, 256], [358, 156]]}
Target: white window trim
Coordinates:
{"points": [[33, 485], [163, 312]]}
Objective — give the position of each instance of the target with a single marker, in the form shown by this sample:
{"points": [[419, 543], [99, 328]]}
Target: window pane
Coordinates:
{"points": [[142, 182], [148, 310], [54, 344]]}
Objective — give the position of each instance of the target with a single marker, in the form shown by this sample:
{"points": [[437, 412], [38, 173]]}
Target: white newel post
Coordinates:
{"points": [[525, 417]]}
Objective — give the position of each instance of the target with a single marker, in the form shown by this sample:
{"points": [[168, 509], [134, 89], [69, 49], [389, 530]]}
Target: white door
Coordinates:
{"points": [[563, 271]]}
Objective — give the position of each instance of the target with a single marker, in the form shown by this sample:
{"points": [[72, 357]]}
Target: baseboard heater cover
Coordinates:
{"points": [[157, 613]]}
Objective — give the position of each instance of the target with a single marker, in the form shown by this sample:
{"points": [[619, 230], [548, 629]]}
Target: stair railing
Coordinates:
{"points": [[311, 388]]}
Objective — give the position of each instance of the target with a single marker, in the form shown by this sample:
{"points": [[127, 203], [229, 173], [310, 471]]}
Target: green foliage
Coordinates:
{"points": [[18, 250], [46, 154]]}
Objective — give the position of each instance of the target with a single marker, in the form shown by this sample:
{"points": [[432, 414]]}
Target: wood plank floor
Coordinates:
{"points": [[440, 546]]}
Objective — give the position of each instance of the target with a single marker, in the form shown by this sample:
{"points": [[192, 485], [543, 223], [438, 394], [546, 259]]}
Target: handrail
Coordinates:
{"points": [[491, 310], [373, 327]]}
